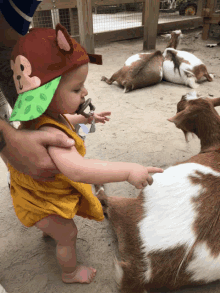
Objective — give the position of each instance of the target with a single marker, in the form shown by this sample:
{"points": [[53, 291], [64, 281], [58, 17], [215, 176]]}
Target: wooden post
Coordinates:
{"points": [[143, 13], [74, 22], [84, 8], [150, 23], [207, 13], [200, 7]]}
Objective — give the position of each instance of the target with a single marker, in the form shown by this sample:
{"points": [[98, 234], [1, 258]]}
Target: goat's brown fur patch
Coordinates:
{"points": [[174, 41], [172, 56], [200, 71], [207, 206]]}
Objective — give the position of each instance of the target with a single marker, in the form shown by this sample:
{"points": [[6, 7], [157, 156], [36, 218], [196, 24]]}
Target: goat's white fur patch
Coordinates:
{"points": [[204, 266], [177, 31], [169, 214], [134, 58], [179, 76], [161, 72], [100, 188], [118, 272], [191, 96]]}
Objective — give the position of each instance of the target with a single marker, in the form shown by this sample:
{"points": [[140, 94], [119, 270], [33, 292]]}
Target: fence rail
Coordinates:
{"points": [[113, 20]]}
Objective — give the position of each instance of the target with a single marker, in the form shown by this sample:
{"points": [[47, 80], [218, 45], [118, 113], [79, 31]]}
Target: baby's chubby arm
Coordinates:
{"points": [[75, 167]]}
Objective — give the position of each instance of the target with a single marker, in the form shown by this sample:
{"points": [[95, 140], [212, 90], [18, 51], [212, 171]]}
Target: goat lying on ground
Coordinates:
{"points": [[143, 69], [168, 236], [183, 68]]}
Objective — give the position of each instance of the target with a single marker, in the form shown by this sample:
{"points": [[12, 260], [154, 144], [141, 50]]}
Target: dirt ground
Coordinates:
{"points": [[137, 132]]}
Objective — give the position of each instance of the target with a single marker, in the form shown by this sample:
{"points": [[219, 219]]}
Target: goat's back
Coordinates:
{"points": [[180, 229]]}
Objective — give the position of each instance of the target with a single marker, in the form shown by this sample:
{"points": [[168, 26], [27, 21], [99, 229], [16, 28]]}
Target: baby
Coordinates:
{"points": [[50, 70]]}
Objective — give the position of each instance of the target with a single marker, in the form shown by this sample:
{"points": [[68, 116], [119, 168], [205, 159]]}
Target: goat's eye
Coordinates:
{"points": [[22, 67]]}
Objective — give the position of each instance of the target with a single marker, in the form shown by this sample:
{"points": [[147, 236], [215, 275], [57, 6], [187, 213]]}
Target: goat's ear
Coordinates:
{"points": [[215, 102], [178, 117], [173, 119], [166, 36]]}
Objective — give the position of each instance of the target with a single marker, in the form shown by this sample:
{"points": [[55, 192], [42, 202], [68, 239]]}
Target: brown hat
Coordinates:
{"points": [[38, 60], [44, 54]]}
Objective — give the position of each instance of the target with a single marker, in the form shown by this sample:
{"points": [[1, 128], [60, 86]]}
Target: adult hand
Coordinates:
{"points": [[26, 151]]}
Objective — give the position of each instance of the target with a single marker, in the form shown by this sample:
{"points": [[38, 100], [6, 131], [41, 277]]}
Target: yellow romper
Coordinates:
{"points": [[34, 200]]}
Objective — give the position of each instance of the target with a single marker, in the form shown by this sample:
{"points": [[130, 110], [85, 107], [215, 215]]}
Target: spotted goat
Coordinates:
{"points": [[168, 237], [182, 67], [143, 69]]}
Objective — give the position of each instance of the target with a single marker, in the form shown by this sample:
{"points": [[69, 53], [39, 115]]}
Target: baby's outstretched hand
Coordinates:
{"points": [[139, 176], [100, 117]]}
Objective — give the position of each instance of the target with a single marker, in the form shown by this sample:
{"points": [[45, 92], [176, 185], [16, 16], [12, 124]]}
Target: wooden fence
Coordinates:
{"points": [[84, 30], [210, 17]]}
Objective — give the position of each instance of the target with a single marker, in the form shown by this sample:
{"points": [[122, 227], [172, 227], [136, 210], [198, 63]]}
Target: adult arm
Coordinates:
{"points": [[27, 150]]}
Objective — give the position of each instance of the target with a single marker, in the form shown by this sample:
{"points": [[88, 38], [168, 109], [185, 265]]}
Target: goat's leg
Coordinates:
{"points": [[126, 277], [129, 283], [111, 205], [115, 208], [191, 82], [209, 77], [113, 78], [203, 72], [124, 214]]}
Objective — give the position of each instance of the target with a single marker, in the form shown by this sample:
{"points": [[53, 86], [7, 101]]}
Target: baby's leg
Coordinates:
{"points": [[64, 231]]}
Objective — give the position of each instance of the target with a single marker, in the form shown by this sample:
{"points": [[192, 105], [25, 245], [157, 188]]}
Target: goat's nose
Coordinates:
{"points": [[18, 77]]}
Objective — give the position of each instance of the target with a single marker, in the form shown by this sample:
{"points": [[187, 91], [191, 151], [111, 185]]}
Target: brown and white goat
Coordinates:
{"points": [[143, 69], [182, 67], [169, 236]]}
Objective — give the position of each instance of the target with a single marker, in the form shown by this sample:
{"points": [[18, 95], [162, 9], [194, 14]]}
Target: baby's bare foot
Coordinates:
{"points": [[82, 274]]}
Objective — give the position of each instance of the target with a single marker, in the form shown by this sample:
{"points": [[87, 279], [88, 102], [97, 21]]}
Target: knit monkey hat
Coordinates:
{"points": [[38, 60]]}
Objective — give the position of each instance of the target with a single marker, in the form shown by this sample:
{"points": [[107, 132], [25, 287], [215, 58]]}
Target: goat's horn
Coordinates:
{"points": [[216, 102]]}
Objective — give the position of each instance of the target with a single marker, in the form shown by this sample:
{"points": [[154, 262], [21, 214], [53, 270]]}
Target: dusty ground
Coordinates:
{"points": [[138, 132]]}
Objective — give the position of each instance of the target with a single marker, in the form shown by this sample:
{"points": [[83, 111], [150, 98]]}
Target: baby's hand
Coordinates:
{"points": [[100, 117], [139, 176]]}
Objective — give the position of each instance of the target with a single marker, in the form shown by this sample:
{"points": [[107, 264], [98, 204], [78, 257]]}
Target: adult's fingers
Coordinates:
{"points": [[58, 140]]}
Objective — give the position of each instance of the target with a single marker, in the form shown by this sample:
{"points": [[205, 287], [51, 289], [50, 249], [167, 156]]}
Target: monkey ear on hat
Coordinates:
{"points": [[64, 40]]}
